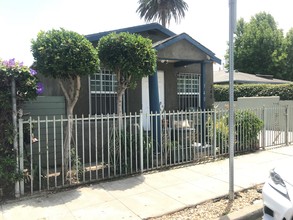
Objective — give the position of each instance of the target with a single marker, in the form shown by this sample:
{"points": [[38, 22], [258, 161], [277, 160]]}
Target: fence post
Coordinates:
{"points": [[215, 133], [21, 183], [287, 125], [141, 141], [264, 127]]}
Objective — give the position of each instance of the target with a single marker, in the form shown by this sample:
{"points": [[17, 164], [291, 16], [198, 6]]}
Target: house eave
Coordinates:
{"points": [[135, 29]]}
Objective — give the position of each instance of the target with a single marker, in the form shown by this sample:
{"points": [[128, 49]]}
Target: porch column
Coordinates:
{"points": [[155, 108], [154, 93], [203, 101]]}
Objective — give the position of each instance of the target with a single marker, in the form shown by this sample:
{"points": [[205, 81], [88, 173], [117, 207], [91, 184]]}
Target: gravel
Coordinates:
{"points": [[217, 207]]}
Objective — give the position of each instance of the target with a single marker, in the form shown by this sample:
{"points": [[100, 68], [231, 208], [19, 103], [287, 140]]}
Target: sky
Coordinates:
{"points": [[206, 21]]}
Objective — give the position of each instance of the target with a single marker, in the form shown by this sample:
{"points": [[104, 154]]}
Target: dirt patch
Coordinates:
{"points": [[217, 207]]}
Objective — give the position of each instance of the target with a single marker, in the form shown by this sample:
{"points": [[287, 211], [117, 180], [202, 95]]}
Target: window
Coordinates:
{"points": [[103, 82], [188, 87], [103, 93]]}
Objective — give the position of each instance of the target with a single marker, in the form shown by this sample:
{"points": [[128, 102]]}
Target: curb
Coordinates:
{"points": [[248, 213]]}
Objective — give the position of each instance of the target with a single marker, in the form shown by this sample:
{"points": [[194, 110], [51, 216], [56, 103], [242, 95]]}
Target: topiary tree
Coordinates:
{"points": [[130, 57], [65, 56], [27, 87]]}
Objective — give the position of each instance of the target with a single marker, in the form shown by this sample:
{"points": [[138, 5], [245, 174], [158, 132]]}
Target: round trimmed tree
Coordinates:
{"points": [[130, 57], [65, 56]]}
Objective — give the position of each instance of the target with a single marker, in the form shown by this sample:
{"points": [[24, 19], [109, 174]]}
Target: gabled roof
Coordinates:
{"points": [[135, 29], [171, 38], [222, 77], [176, 38]]}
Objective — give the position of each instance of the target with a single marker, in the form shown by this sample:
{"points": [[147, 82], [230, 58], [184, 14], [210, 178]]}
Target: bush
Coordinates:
{"points": [[8, 174], [285, 91], [222, 134], [247, 128]]}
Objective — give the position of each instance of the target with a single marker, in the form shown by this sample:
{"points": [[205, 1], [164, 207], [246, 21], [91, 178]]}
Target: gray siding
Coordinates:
{"points": [[45, 106]]}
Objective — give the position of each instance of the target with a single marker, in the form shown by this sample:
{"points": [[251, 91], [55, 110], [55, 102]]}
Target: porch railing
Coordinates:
{"points": [[108, 146]]}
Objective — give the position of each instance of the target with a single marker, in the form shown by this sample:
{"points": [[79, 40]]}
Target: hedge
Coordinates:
{"points": [[285, 91]]}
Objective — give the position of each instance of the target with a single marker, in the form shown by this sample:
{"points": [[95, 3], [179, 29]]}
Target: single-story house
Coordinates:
{"points": [[183, 80], [222, 77]]}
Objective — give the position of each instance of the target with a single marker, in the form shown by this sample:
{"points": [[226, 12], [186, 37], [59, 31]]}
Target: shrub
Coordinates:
{"points": [[285, 91], [247, 128], [8, 174], [222, 134]]}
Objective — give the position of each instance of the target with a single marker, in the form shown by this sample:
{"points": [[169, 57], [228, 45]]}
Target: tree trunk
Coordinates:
{"points": [[120, 93], [71, 89], [67, 139]]}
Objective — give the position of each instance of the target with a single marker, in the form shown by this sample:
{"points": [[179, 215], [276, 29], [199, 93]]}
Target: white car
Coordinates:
{"points": [[277, 194]]}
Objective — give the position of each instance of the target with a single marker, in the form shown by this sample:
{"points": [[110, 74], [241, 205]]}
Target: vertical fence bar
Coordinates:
{"points": [[47, 153], [286, 125], [90, 146], [198, 138], [131, 142], [31, 155], [159, 123], [185, 126], [215, 134], [102, 132], [39, 154], [62, 151], [136, 144], [108, 146], [54, 145], [20, 124], [126, 145], [264, 127], [120, 120], [83, 150], [77, 164], [141, 142], [96, 143], [114, 142]]}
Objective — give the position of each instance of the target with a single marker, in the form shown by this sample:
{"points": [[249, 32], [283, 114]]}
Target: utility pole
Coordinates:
{"points": [[232, 30]]}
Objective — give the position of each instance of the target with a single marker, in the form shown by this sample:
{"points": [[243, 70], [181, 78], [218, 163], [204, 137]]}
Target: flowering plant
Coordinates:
{"points": [[27, 88], [27, 85]]}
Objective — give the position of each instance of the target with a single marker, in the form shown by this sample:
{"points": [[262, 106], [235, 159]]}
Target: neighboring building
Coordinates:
{"points": [[183, 80], [222, 77]]}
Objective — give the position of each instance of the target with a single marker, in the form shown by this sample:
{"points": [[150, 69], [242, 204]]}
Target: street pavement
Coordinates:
{"points": [[150, 194]]}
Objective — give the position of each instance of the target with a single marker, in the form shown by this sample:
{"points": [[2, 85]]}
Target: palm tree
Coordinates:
{"points": [[162, 10]]}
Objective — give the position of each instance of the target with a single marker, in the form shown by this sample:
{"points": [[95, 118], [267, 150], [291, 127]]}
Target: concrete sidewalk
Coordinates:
{"points": [[152, 194]]}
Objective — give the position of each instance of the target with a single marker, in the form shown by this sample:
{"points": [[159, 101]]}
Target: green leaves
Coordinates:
{"points": [[127, 54], [285, 91], [162, 10], [130, 57], [259, 46], [64, 54]]}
